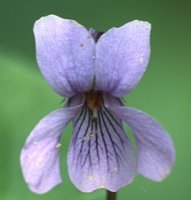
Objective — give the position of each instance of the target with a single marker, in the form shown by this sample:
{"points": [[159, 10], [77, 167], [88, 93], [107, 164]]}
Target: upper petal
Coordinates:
{"points": [[100, 154], [65, 54], [40, 154], [122, 55], [156, 152]]}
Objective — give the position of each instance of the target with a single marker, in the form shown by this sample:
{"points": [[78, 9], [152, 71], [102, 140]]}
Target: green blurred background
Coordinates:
{"points": [[164, 91]]}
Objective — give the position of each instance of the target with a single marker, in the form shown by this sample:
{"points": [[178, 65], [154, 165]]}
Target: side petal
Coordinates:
{"points": [[155, 148], [122, 55], [100, 154], [65, 54], [40, 154]]}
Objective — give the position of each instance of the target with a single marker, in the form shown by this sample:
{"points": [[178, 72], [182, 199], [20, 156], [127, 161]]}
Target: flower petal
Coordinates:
{"points": [[100, 154], [65, 54], [156, 152], [40, 155], [122, 55]]}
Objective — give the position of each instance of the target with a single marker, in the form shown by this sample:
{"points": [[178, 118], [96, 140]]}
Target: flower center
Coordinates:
{"points": [[94, 99]]}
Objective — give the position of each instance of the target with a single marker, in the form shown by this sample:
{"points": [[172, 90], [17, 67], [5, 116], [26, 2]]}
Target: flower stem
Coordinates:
{"points": [[111, 195]]}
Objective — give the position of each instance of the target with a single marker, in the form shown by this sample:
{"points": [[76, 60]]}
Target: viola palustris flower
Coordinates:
{"points": [[94, 71]]}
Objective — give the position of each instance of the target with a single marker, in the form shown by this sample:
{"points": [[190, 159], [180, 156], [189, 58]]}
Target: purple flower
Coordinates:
{"points": [[94, 70]]}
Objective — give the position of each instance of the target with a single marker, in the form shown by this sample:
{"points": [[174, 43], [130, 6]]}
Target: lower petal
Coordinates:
{"points": [[100, 154], [156, 152], [40, 154]]}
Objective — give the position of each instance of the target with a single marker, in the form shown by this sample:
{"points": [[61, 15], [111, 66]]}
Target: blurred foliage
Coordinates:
{"points": [[164, 91]]}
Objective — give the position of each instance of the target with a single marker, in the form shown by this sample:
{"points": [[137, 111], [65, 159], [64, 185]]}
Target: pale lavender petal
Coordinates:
{"points": [[65, 54], [155, 148], [40, 154], [122, 55], [100, 154]]}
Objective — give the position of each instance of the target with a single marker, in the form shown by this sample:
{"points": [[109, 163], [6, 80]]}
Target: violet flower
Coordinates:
{"points": [[94, 71]]}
